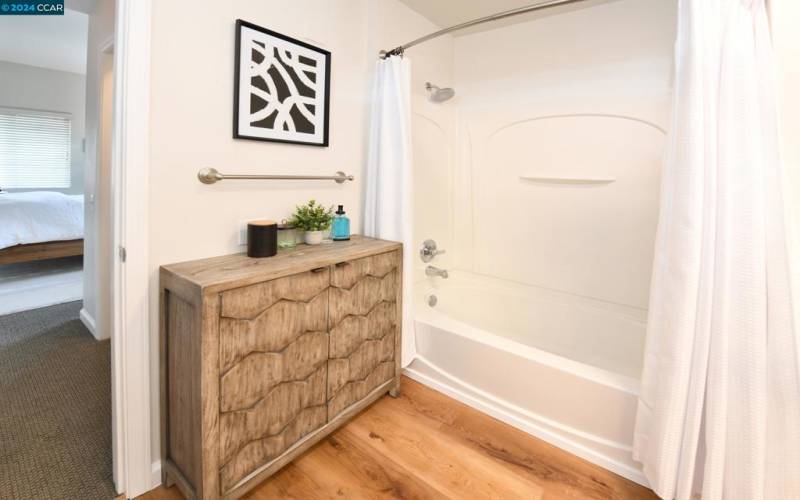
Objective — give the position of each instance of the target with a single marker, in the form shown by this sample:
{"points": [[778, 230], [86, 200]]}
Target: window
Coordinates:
{"points": [[34, 149]]}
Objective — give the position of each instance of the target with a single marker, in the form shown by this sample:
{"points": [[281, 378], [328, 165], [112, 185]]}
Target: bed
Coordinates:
{"points": [[40, 225]]}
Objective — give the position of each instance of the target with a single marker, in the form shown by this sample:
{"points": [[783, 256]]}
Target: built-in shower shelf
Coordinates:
{"points": [[571, 179]]}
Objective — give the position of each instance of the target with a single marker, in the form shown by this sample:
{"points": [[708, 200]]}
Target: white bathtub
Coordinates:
{"points": [[561, 367]]}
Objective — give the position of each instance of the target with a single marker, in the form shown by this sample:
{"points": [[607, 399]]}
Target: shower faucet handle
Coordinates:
{"points": [[429, 251]]}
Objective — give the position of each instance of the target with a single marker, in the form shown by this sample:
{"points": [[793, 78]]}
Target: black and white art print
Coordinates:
{"points": [[281, 88]]}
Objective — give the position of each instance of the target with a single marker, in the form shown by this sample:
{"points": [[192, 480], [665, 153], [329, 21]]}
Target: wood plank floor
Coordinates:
{"points": [[426, 445]]}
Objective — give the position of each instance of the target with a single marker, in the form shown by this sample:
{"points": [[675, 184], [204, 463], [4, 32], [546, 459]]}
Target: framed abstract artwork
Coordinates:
{"points": [[281, 88]]}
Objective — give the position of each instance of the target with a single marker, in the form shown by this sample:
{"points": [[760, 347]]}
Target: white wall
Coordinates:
{"points": [[578, 94], [32, 87], [97, 178], [192, 93]]}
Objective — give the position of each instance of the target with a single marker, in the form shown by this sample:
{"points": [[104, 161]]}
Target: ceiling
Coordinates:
{"points": [[445, 13], [54, 42]]}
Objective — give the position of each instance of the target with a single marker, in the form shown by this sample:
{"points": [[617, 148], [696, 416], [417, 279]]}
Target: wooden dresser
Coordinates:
{"points": [[262, 358]]}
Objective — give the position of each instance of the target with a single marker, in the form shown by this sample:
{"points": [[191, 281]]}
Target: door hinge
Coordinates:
{"points": [[123, 254]]}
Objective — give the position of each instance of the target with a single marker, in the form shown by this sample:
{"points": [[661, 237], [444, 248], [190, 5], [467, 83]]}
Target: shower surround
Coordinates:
{"points": [[541, 180]]}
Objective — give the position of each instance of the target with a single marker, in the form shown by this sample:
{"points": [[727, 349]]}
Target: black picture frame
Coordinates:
{"points": [[240, 129]]}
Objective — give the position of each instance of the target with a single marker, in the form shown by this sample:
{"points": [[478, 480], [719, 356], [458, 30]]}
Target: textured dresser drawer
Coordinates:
{"points": [[273, 369], [272, 321], [363, 322]]}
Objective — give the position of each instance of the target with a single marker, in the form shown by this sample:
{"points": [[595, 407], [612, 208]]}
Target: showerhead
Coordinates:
{"points": [[439, 94]]}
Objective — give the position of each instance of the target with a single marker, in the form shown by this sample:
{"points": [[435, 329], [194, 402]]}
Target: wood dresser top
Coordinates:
{"points": [[232, 271]]}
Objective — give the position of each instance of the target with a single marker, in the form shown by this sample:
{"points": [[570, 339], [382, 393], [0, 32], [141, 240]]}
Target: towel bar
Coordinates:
{"points": [[211, 175]]}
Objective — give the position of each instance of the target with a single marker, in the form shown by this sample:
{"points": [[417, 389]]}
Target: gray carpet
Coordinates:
{"points": [[55, 407]]}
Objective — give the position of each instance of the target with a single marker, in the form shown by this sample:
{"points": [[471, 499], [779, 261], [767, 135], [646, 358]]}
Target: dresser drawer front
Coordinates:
{"points": [[272, 330], [273, 369], [249, 301], [271, 317], [363, 328], [253, 437]]}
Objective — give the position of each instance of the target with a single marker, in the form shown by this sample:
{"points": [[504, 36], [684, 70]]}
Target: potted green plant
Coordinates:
{"points": [[314, 219]]}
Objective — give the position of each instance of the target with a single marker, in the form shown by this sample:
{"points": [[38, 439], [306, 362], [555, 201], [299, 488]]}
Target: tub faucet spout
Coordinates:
{"points": [[435, 271]]}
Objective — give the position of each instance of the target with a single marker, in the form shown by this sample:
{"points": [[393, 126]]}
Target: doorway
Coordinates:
{"points": [[55, 353]]}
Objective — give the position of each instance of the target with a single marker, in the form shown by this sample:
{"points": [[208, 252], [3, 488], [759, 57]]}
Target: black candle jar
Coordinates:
{"points": [[262, 238]]}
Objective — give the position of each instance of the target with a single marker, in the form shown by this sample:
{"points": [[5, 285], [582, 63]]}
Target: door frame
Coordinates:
{"points": [[130, 339]]}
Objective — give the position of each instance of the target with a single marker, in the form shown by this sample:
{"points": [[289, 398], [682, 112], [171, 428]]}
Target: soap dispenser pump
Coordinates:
{"points": [[341, 225]]}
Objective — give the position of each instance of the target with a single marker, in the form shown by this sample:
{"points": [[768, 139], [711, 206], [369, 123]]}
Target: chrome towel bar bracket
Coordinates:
{"points": [[211, 175]]}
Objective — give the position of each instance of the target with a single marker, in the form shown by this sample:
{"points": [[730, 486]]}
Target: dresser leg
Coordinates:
{"points": [[395, 391]]}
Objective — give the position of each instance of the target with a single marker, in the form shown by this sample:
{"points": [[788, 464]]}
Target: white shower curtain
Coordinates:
{"points": [[719, 411], [388, 211]]}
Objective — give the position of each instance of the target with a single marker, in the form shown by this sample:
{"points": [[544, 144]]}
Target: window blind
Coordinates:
{"points": [[34, 149]]}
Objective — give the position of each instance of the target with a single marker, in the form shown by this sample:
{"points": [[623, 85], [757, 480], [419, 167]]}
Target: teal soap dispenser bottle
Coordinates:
{"points": [[341, 225]]}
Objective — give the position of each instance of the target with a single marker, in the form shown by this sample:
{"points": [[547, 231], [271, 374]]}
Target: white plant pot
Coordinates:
{"points": [[314, 237]]}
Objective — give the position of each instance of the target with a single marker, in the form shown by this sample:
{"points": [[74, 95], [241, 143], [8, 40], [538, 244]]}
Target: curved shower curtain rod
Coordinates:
{"points": [[398, 51]]}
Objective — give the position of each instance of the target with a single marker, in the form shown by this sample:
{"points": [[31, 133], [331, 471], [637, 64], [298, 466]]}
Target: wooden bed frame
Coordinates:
{"points": [[41, 251]]}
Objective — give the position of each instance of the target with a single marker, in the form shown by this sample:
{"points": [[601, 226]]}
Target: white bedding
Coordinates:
{"points": [[39, 216]]}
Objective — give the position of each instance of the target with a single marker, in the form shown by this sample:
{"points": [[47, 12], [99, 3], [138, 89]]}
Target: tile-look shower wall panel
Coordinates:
{"points": [[578, 94]]}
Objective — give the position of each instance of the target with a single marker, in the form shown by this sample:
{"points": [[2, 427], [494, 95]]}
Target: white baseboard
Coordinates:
{"points": [[89, 323], [156, 481]]}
